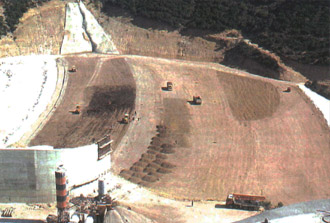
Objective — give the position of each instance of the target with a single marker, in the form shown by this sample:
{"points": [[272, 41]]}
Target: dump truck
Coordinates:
{"points": [[244, 201], [125, 120], [169, 86], [197, 100]]}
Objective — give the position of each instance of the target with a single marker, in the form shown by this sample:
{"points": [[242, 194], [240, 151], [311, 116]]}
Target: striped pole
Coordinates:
{"points": [[61, 192]]}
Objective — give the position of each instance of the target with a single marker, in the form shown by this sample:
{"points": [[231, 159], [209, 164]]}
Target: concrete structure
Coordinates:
{"points": [[27, 175], [310, 212], [101, 42], [27, 84], [75, 38]]}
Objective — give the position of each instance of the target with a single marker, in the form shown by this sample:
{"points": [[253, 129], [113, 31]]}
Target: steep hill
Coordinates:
{"points": [[295, 29]]}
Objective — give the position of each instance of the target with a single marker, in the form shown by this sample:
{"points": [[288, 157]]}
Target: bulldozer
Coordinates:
{"points": [[197, 100], [73, 69], [125, 120], [76, 111]]}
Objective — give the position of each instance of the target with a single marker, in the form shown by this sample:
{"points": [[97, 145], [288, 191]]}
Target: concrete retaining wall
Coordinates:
{"points": [[28, 175], [101, 42], [75, 38]]}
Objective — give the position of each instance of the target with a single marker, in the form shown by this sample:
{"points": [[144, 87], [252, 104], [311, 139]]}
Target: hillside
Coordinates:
{"points": [[295, 29], [35, 31]]}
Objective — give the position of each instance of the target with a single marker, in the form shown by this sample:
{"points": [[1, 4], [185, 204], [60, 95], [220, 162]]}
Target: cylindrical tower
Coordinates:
{"points": [[61, 193]]}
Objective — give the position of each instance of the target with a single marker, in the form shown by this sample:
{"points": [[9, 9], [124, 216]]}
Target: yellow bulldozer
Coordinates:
{"points": [[76, 111], [73, 69], [125, 120]]}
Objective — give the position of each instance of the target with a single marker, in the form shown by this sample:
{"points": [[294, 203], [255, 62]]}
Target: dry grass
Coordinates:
{"points": [[40, 31]]}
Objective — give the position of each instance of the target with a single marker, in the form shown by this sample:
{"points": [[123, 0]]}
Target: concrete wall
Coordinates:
{"points": [[75, 38], [101, 42], [28, 175]]}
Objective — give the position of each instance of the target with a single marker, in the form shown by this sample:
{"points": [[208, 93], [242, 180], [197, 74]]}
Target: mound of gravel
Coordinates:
{"points": [[150, 178], [161, 156], [136, 168], [167, 150], [164, 170], [135, 180], [167, 165]]}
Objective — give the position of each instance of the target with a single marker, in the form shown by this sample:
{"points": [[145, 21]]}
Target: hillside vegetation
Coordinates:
{"points": [[13, 11], [291, 28]]}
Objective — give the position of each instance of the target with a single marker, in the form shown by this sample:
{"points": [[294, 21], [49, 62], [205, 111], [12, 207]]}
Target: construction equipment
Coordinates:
{"points": [[73, 69], [288, 90], [169, 86], [76, 111], [244, 201], [125, 120], [197, 100]]}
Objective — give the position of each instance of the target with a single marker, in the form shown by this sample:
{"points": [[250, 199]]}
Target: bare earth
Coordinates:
{"points": [[248, 136], [105, 90]]}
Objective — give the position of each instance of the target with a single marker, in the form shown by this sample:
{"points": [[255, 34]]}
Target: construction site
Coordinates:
{"points": [[98, 135]]}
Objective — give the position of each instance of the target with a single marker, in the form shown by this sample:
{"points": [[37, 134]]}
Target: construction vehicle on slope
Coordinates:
{"points": [[197, 100], [244, 201], [76, 111], [73, 69], [125, 120]]}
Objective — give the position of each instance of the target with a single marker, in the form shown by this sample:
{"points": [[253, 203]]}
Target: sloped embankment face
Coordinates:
{"points": [[250, 99], [170, 135], [247, 136], [105, 90]]}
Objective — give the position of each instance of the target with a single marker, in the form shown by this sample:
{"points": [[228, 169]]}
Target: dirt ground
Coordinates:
{"points": [[105, 90], [248, 136], [40, 31]]}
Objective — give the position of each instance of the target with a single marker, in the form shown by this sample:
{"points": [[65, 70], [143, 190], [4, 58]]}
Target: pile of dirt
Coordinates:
{"points": [[152, 164]]}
